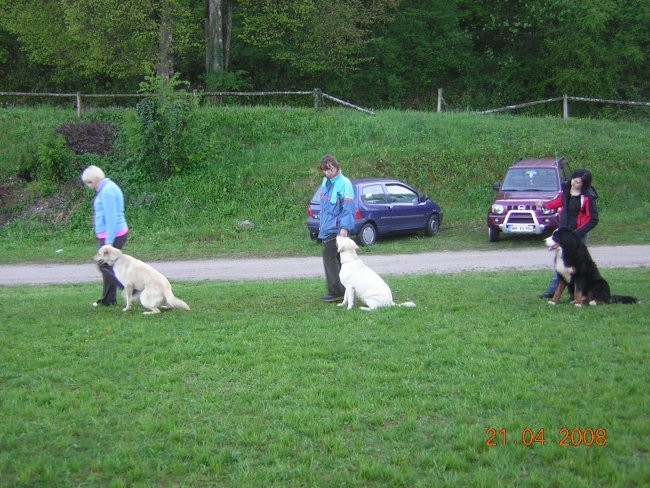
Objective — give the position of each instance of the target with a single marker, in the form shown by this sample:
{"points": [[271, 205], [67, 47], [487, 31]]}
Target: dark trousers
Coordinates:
{"points": [[332, 264], [111, 283]]}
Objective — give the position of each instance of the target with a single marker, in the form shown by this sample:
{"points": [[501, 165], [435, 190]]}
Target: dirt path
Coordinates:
{"points": [[442, 262]]}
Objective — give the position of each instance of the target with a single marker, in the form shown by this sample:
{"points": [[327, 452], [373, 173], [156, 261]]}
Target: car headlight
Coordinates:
{"points": [[546, 211], [497, 208]]}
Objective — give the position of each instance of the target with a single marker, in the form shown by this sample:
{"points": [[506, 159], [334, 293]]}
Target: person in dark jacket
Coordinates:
{"points": [[336, 217], [578, 212]]}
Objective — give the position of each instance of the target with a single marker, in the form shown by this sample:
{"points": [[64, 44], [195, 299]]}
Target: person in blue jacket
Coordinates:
{"points": [[109, 225], [337, 210]]}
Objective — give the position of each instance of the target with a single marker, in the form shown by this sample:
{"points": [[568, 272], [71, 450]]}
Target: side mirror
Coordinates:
{"points": [[496, 185]]}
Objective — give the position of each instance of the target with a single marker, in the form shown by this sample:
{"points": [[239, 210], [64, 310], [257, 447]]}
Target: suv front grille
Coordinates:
{"points": [[522, 207], [524, 218]]}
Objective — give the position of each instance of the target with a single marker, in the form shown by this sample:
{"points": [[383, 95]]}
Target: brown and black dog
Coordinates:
{"points": [[575, 265]]}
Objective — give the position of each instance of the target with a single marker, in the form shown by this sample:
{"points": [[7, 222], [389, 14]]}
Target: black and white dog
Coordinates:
{"points": [[576, 268]]}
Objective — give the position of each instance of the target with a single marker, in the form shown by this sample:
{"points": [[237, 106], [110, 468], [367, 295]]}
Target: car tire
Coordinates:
{"points": [[367, 235], [433, 225], [493, 234], [313, 236]]}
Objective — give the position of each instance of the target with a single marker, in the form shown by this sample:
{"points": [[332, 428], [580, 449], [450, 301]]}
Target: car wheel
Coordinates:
{"points": [[367, 235], [493, 234], [433, 225], [313, 236]]}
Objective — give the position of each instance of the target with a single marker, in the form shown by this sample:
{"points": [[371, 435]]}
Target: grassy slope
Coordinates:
{"points": [[259, 164]]}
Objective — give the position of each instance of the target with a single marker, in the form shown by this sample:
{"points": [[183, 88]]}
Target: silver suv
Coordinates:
{"points": [[517, 207]]}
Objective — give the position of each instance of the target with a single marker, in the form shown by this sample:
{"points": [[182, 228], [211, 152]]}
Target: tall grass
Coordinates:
{"points": [[261, 384], [259, 164]]}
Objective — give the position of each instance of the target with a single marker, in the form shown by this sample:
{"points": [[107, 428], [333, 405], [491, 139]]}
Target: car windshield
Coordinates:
{"points": [[530, 179]]}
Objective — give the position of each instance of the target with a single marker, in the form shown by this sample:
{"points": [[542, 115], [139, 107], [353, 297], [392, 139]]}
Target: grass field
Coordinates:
{"points": [[261, 384]]}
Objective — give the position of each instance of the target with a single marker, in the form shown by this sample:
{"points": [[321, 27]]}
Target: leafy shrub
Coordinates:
{"points": [[163, 118], [228, 81], [56, 164]]}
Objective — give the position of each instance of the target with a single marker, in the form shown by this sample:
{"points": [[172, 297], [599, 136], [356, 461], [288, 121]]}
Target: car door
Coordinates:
{"points": [[405, 211]]}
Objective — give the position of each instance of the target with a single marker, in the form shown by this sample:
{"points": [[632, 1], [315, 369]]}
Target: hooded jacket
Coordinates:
{"points": [[336, 206], [587, 217]]}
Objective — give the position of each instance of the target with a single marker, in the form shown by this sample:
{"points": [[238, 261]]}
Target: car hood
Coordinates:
{"points": [[526, 195]]}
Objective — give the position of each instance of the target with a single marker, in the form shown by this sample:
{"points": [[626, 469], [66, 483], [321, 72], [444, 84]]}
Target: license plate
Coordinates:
{"points": [[522, 228]]}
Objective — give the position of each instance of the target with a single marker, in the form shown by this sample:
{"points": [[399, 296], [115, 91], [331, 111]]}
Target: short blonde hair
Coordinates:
{"points": [[92, 174]]}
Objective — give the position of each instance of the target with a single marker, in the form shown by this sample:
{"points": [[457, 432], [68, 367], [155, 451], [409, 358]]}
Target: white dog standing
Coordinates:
{"points": [[361, 281], [137, 276]]}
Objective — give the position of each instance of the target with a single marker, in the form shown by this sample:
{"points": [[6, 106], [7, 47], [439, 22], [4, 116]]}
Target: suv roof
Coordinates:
{"points": [[538, 162]]}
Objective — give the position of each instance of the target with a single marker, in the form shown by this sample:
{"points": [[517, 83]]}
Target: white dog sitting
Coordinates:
{"points": [[361, 281], [139, 277]]}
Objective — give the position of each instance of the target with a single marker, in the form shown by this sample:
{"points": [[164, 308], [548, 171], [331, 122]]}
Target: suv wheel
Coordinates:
{"points": [[493, 234], [367, 235], [433, 225]]}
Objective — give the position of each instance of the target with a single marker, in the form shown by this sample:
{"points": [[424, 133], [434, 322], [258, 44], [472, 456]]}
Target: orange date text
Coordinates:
{"points": [[528, 437]]}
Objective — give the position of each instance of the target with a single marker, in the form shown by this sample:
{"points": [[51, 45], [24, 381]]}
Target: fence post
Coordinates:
{"points": [[440, 100], [318, 98], [78, 104], [565, 107]]}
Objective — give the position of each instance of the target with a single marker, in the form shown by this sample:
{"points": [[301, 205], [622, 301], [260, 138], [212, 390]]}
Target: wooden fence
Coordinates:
{"points": [[565, 104], [318, 96], [319, 99]]}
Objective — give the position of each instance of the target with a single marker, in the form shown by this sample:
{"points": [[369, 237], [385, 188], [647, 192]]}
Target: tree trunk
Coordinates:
{"points": [[227, 34], [165, 65], [214, 38]]}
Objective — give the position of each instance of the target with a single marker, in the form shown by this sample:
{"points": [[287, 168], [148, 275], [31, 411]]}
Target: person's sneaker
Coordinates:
{"points": [[100, 303], [332, 298], [545, 295]]}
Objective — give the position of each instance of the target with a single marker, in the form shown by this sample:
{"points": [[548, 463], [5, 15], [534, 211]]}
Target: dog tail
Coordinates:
{"points": [[174, 302], [406, 304], [622, 299]]}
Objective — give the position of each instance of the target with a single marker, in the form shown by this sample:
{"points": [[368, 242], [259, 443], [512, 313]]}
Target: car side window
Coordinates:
{"points": [[401, 194], [373, 195]]}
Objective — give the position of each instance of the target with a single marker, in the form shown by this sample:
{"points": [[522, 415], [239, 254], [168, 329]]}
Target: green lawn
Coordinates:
{"points": [[261, 384]]}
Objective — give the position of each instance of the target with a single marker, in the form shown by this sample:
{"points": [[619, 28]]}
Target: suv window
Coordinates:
{"points": [[530, 179]]}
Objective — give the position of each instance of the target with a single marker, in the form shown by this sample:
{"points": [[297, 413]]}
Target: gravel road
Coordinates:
{"points": [[442, 262]]}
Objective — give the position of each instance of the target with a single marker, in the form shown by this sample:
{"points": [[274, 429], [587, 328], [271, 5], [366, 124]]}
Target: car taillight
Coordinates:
{"points": [[357, 214], [310, 212]]}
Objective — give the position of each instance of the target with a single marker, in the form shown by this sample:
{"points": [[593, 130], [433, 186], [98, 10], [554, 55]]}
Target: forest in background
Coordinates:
{"points": [[378, 53]]}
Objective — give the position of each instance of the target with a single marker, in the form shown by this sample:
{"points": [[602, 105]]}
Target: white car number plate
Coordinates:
{"points": [[522, 228]]}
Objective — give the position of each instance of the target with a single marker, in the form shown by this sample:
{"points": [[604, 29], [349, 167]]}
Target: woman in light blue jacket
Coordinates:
{"points": [[109, 225], [336, 218]]}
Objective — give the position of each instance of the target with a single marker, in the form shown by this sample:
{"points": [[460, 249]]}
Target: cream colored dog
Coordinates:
{"points": [[361, 281], [139, 277]]}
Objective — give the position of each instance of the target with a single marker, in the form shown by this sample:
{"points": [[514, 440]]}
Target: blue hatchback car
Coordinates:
{"points": [[384, 206]]}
